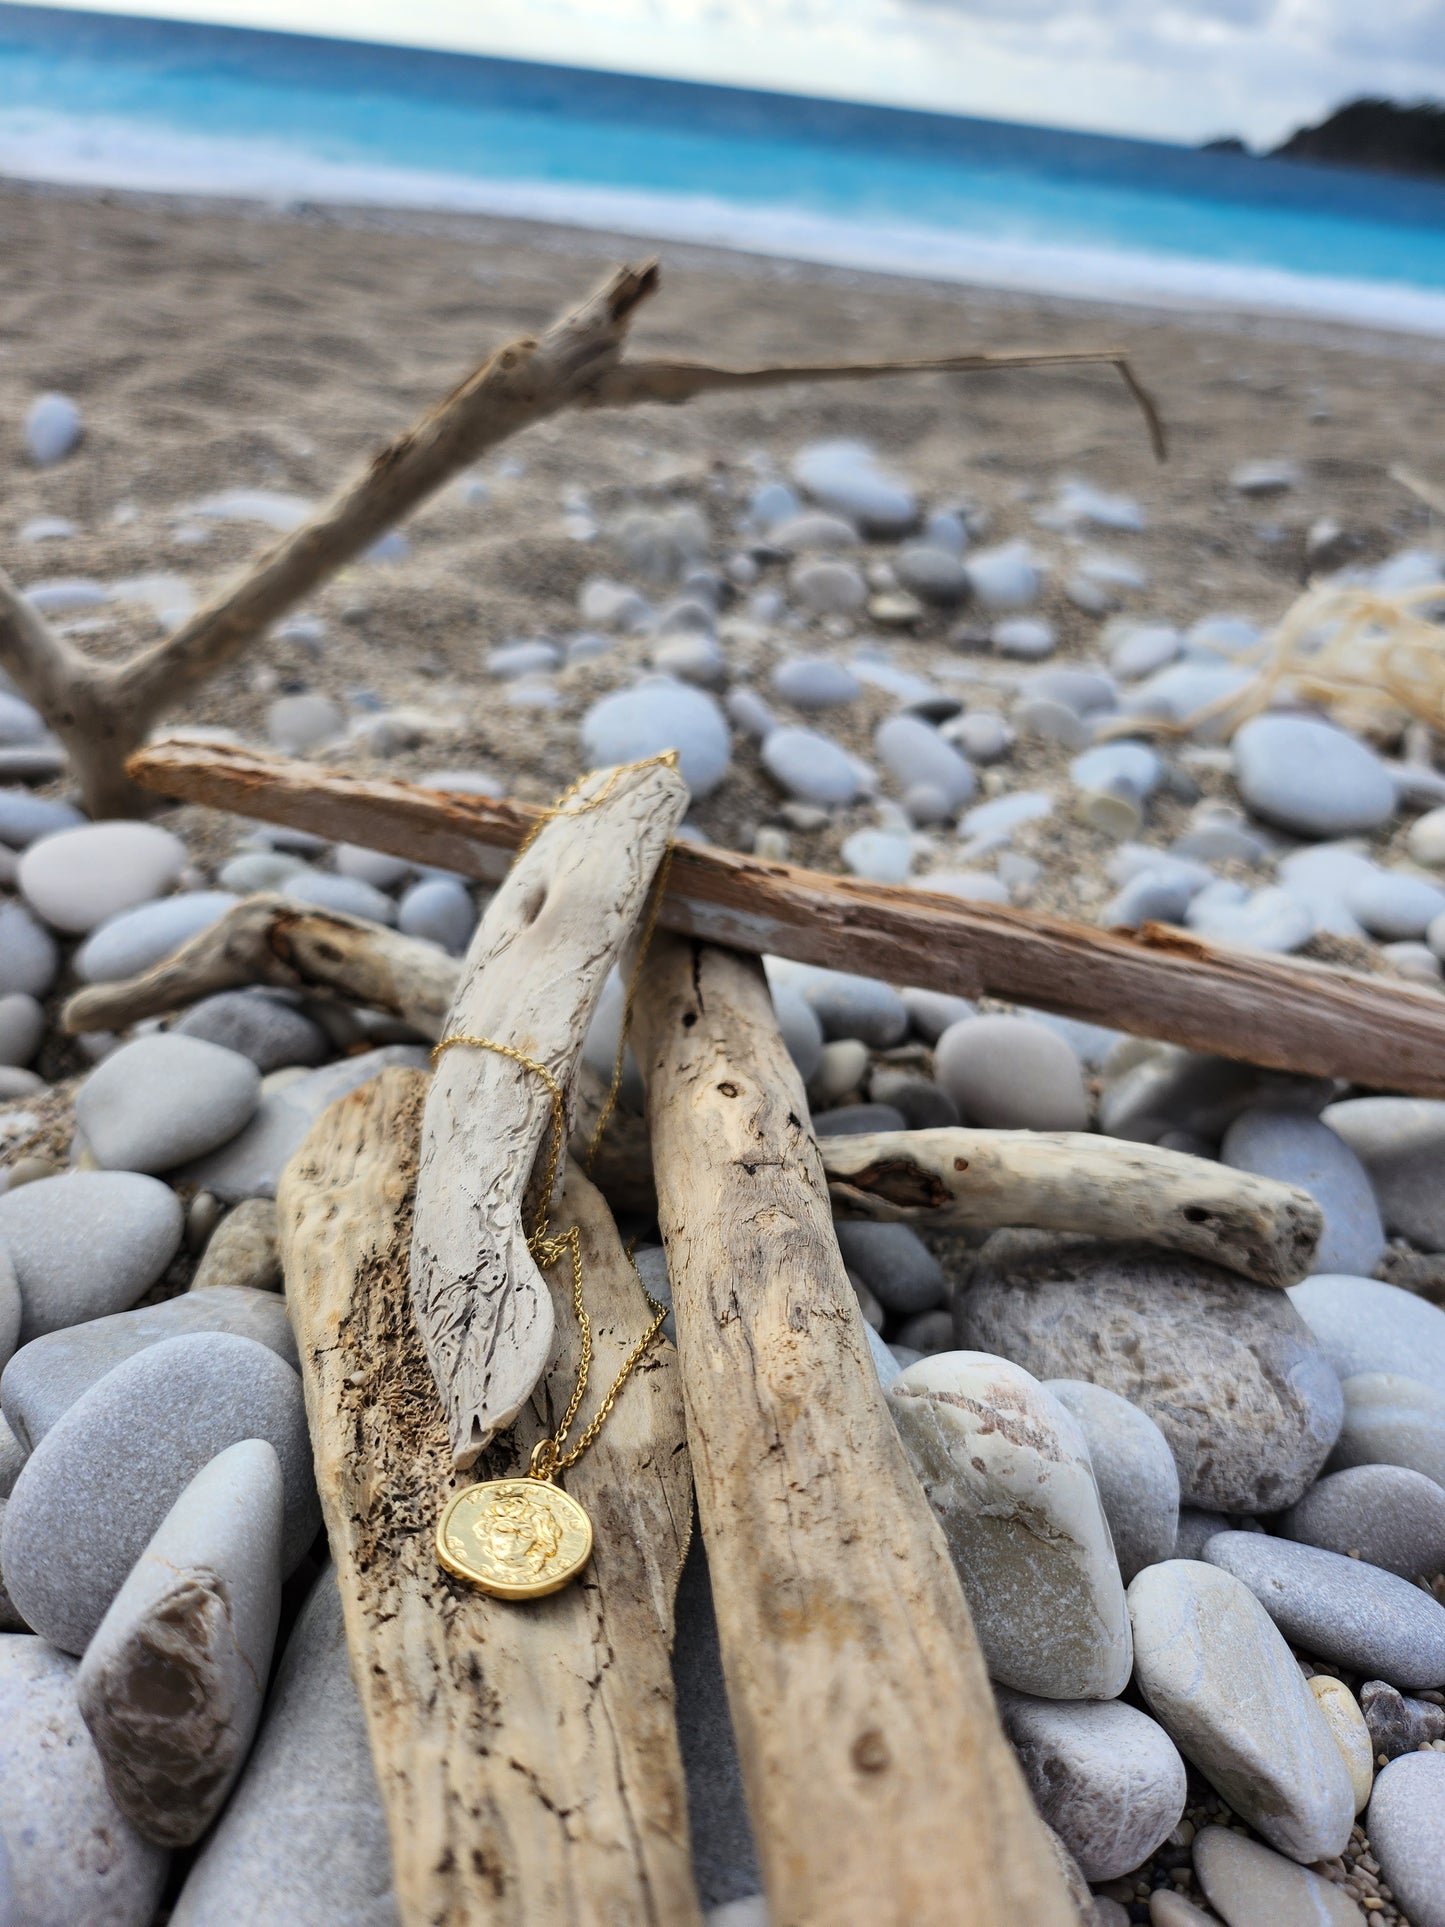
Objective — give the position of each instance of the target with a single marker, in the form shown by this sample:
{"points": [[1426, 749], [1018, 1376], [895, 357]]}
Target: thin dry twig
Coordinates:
{"points": [[679, 381], [102, 712]]}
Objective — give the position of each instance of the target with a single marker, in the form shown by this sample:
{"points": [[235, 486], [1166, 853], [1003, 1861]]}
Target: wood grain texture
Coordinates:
{"points": [[880, 1785], [530, 981], [1157, 982], [1074, 1181], [526, 1754]]}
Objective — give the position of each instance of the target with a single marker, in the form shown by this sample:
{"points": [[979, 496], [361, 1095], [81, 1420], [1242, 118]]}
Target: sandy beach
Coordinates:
{"points": [[216, 346]]}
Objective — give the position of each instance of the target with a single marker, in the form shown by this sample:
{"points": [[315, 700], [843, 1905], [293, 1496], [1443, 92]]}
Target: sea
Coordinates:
{"points": [[106, 100]]}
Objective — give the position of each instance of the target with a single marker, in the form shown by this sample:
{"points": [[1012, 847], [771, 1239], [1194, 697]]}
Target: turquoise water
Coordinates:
{"points": [[129, 103]]}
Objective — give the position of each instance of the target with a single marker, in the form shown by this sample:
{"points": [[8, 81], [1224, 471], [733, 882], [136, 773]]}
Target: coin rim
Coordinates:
{"points": [[521, 1589]]}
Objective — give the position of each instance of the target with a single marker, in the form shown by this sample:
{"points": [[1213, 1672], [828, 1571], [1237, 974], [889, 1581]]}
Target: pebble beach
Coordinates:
{"points": [[959, 633]]}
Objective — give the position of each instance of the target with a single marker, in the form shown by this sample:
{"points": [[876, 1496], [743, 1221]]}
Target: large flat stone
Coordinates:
{"points": [[250, 1166], [1007, 1472], [171, 1684], [138, 939], [1356, 1616], [303, 1842], [1387, 1514], [1228, 1371], [47, 1376], [68, 1856], [86, 1243], [1391, 1420], [1137, 1478], [1294, 1148], [1221, 1681], [1406, 1825], [1401, 1143], [96, 1489], [1106, 1778], [1250, 1885], [1365, 1326], [1309, 777], [163, 1100], [77, 879]]}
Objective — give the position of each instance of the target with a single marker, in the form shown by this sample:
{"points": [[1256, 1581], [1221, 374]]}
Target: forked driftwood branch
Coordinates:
{"points": [[530, 984], [880, 1785], [527, 1756], [102, 711], [1286, 1013], [1072, 1181]]}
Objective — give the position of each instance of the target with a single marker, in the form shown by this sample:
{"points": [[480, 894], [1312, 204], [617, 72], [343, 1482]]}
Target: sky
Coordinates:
{"points": [[1185, 70]]}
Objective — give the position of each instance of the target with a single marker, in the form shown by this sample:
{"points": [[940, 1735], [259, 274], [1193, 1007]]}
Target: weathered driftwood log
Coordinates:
{"points": [[1157, 982], [1071, 1181], [265, 940], [880, 1786], [527, 1755], [102, 711], [530, 983]]}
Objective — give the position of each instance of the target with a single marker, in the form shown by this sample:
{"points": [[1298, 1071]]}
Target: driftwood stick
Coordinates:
{"points": [[1282, 1012], [530, 982], [265, 940], [527, 1756], [1071, 1181], [880, 1786]]}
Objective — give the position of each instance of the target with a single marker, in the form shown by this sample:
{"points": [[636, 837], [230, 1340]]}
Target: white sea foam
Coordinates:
{"points": [[114, 152]]}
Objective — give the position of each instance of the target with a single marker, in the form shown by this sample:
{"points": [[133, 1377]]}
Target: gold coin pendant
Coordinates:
{"points": [[514, 1538]]}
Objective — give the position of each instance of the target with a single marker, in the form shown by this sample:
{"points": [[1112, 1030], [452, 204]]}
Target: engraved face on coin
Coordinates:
{"points": [[515, 1538]]}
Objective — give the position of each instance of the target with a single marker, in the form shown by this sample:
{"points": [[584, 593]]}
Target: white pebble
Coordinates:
{"points": [[1008, 577], [53, 428]]}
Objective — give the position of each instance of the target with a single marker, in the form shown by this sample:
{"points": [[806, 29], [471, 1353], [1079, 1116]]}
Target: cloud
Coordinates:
{"points": [[1183, 67]]}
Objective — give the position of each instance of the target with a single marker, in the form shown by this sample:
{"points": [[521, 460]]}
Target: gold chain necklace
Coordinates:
{"points": [[525, 1537]]}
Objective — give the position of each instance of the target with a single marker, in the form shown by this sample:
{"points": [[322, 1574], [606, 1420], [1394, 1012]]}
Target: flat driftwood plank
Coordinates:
{"points": [[526, 1754], [880, 1786], [530, 982], [1158, 982], [1072, 1181]]}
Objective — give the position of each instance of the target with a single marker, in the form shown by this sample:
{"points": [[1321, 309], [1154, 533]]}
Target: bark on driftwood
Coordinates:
{"points": [[880, 1786], [1157, 982], [527, 1755], [531, 981], [103, 711], [1072, 1181]]}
